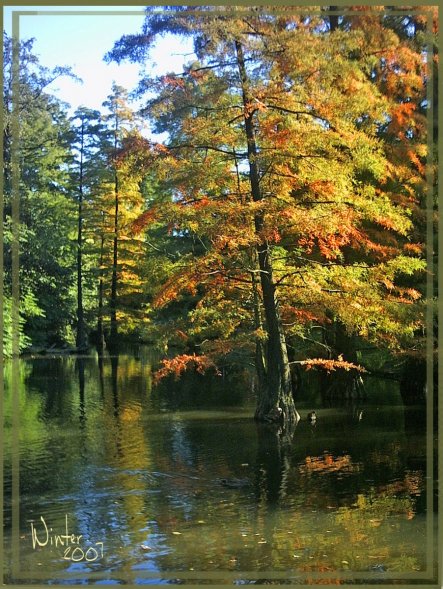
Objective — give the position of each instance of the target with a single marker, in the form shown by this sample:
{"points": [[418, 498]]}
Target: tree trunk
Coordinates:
{"points": [[275, 399], [100, 330], [113, 302], [81, 331], [333, 19], [260, 351]]}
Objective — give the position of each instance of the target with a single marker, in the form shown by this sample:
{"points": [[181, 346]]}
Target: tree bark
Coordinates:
{"points": [[100, 330], [113, 301], [81, 331], [333, 19], [275, 399]]}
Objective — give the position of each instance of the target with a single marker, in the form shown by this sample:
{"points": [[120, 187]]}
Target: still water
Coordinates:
{"points": [[123, 482]]}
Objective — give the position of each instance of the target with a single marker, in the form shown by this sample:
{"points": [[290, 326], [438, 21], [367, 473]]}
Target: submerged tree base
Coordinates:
{"points": [[280, 411]]}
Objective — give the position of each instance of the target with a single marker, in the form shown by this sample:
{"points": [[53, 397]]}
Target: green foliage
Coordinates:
{"points": [[46, 220], [11, 330]]}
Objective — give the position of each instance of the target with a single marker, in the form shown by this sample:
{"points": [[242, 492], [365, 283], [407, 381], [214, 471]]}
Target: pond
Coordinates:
{"points": [[109, 480]]}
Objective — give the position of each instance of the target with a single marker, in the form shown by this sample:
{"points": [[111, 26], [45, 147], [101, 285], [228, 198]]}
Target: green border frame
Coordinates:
{"points": [[427, 577]]}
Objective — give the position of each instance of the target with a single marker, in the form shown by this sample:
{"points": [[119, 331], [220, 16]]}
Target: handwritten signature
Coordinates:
{"points": [[71, 543]]}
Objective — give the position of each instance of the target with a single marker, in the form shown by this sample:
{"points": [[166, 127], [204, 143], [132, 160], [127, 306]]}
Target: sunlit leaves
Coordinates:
{"points": [[179, 364], [332, 116]]}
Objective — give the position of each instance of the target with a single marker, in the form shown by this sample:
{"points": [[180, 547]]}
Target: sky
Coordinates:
{"points": [[81, 41]]}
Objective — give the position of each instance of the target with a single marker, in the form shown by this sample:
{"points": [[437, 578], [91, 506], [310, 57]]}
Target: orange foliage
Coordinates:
{"points": [[385, 222], [271, 235], [301, 315], [414, 248], [402, 113], [381, 251], [416, 161], [182, 335], [144, 220], [328, 463], [406, 295], [331, 365], [136, 147], [201, 203], [176, 366], [173, 81], [329, 246], [160, 148], [175, 285], [322, 187]]}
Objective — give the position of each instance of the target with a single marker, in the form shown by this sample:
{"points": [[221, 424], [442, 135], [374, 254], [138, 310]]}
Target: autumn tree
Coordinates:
{"points": [[119, 201], [118, 118], [404, 73], [409, 77], [275, 166]]}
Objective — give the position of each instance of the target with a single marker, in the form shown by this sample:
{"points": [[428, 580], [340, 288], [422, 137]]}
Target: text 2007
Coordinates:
{"points": [[78, 554]]}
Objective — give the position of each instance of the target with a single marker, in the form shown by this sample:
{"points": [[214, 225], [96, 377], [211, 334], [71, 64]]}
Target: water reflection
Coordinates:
{"points": [[179, 478], [273, 462], [114, 383]]}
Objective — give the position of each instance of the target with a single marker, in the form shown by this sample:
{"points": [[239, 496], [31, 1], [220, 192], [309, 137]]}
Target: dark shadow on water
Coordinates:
{"points": [[101, 376], [273, 462], [196, 391], [80, 365], [114, 383]]}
